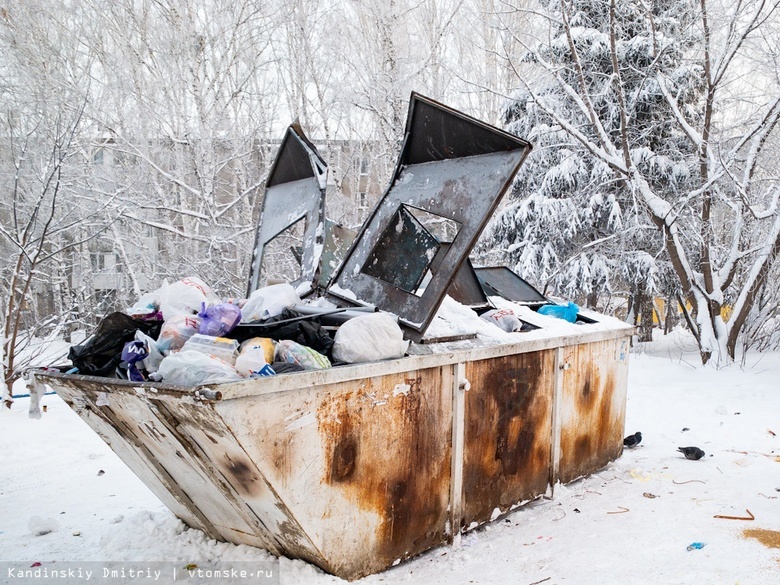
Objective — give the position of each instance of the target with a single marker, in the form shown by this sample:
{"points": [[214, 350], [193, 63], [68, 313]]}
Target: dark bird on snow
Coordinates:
{"points": [[693, 453], [632, 441]]}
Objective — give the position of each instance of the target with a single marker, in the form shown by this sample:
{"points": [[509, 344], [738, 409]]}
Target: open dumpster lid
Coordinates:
{"points": [[502, 282], [293, 206], [451, 175]]}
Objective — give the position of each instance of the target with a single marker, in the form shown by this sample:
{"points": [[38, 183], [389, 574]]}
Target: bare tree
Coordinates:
{"points": [[722, 233], [45, 211]]}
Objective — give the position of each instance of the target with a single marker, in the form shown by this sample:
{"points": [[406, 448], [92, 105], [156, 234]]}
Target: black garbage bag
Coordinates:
{"points": [[303, 329], [102, 352]]}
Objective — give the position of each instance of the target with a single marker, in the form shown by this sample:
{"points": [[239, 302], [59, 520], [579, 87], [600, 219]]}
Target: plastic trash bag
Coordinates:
{"points": [[264, 344], [134, 352], [286, 368], [566, 312], [254, 356], [219, 347], [102, 352], [295, 353], [503, 318], [193, 368], [176, 331], [268, 302], [152, 362], [218, 320], [147, 305], [369, 338], [185, 297]]}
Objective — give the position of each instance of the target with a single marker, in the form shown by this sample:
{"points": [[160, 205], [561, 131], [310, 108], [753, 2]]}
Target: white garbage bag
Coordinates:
{"points": [[186, 297], [268, 302], [503, 318], [368, 338]]}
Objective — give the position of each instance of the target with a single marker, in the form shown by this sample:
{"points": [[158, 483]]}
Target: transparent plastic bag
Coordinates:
{"points": [[268, 302], [176, 331], [218, 347], [255, 354], [295, 353], [186, 297], [369, 338], [193, 368]]}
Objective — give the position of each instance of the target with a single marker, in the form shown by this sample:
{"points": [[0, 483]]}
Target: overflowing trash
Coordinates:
{"points": [[184, 334]]}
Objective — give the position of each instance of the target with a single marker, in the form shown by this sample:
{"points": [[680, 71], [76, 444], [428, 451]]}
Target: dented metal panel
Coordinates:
{"points": [[295, 192], [452, 168], [508, 433], [182, 448], [363, 464], [592, 407]]}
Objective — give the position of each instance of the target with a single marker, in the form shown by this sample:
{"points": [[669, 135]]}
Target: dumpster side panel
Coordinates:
{"points": [[363, 465], [134, 455], [593, 407], [230, 468], [508, 431], [196, 457]]}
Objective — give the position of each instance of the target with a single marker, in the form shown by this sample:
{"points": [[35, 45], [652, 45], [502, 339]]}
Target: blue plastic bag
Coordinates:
{"points": [[566, 312]]}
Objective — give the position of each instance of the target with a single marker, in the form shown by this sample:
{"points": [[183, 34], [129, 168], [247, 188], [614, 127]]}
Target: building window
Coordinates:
{"points": [[362, 199], [98, 260], [103, 261], [364, 166], [97, 156]]}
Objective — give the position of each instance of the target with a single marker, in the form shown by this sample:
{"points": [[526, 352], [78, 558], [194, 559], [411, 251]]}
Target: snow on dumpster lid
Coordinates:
{"points": [[294, 205], [450, 177]]}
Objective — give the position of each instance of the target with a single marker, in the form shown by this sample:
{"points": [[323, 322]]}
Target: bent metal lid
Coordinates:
{"points": [[293, 211], [450, 177]]}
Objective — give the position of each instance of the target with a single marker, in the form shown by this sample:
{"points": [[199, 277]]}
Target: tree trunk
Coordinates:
{"points": [[671, 319]]}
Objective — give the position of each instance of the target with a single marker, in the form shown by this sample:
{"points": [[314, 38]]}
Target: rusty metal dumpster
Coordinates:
{"points": [[357, 467]]}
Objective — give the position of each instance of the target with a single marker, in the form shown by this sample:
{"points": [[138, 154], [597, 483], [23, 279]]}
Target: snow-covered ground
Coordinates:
{"points": [[630, 523]]}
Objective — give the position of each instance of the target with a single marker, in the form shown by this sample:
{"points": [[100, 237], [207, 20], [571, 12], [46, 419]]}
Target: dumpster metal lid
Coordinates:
{"points": [[502, 282], [449, 179], [465, 287], [294, 192]]}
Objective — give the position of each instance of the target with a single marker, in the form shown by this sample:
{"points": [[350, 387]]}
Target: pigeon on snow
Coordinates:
{"points": [[693, 453], [632, 441]]}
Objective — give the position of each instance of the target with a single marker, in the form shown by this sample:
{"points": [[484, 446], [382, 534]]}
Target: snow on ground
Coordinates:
{"points": [[631, 523]]}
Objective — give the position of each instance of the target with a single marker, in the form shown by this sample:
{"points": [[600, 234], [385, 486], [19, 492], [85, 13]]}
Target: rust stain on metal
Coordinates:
{"points": [[592, 435], [391, 460], [242, 472], [342, 466], [508, 433]]}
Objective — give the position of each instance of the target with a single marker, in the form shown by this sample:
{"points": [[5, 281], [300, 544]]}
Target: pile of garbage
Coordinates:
{"points": [[184, 334]]}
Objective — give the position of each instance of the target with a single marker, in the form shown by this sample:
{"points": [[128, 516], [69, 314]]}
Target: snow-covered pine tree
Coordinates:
{"points": [[649, 105], [572, 225]]}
